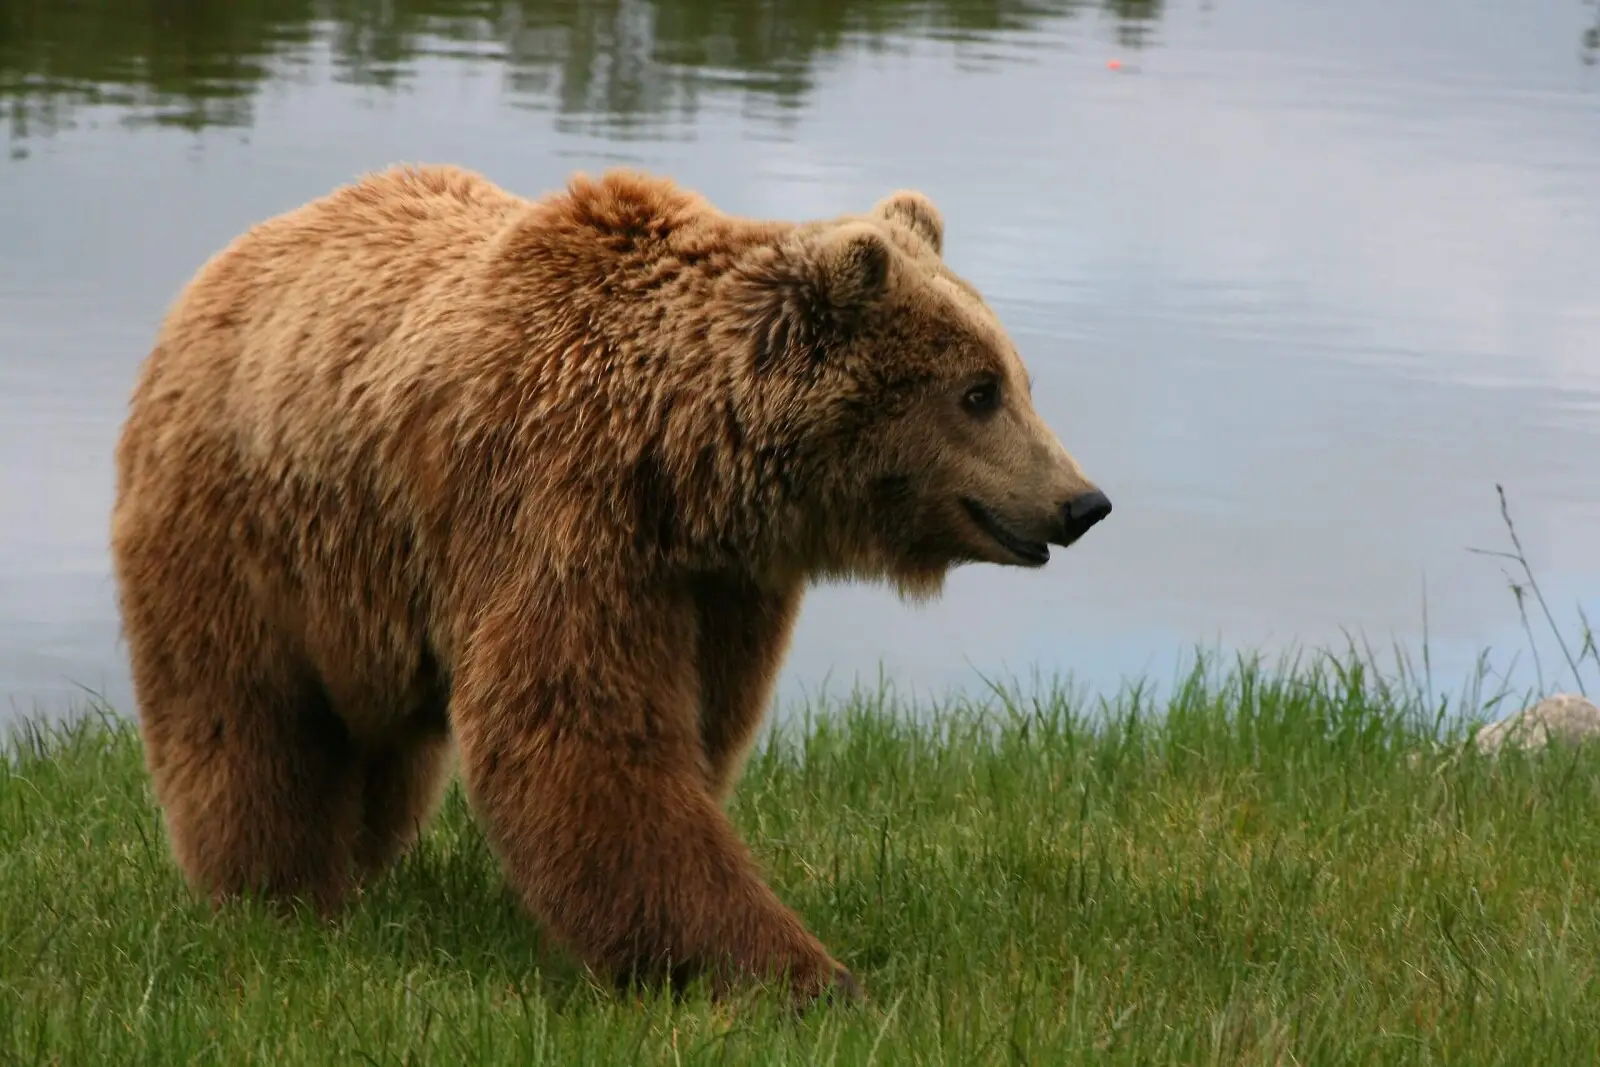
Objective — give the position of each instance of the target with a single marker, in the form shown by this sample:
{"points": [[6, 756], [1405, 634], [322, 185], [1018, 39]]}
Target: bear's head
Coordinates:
{"points": [[907, 408]]}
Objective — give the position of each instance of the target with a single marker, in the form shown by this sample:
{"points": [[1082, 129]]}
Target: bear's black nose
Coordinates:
{"points": [[1083, 511]]}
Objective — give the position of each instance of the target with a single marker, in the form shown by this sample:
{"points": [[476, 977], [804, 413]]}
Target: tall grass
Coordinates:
{"points": [[1525, 586], [1256, 869]]}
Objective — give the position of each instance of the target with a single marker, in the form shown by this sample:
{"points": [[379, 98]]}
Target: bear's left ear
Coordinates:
{"points": [[853, 266], [916, 213]]}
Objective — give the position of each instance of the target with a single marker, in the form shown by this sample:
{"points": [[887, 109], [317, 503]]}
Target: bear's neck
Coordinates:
{"points": [[636, 404]]}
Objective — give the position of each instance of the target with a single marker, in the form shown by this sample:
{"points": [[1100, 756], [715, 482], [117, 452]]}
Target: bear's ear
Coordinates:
{"points": [[852, 266], [810, 288], [916, 213]]}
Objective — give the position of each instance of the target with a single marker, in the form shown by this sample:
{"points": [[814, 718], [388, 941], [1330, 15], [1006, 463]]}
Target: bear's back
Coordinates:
{"points": [[297, 332]]}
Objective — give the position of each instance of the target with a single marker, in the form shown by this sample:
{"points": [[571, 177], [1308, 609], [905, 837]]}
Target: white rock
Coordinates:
{"points": [[1565, 716]]}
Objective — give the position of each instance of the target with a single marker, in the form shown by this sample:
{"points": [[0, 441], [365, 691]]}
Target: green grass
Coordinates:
{"points": [[1253, 872]]}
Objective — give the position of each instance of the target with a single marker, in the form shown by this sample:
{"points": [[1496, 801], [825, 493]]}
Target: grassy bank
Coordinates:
{"points": [[1252, 872]]}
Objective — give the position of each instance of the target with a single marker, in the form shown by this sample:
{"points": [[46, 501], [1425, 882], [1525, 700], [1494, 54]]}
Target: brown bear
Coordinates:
{"points": [[423, 466]]}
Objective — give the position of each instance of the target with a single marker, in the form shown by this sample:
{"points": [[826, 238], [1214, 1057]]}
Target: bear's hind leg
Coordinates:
{"points": [[260, 791], [400, 790]]}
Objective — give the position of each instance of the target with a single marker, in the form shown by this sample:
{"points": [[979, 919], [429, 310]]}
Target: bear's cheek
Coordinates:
{"points": [[916, 523]]}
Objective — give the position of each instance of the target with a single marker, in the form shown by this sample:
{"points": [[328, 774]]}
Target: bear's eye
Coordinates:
{"points": [[981, 398]]}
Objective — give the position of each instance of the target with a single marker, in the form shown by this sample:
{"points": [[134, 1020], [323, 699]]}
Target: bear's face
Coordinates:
{"points": [[909, 379]]}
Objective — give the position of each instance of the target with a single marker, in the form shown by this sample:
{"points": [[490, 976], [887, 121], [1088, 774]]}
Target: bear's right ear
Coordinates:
{"points": [[852, 266], [916, 213]]}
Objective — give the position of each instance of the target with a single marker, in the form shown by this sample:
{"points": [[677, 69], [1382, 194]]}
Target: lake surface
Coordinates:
{"points": [[1298, 282]]}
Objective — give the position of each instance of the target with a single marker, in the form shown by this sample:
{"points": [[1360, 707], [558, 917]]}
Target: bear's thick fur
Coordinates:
{"points": [[424, 461]]}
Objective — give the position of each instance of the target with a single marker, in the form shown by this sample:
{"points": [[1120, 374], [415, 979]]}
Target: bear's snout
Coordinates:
{"points": [[1082, 512]]}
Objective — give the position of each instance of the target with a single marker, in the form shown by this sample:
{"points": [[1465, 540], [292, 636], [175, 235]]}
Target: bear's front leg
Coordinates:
{"points": [[576, 714], [744, 631]]}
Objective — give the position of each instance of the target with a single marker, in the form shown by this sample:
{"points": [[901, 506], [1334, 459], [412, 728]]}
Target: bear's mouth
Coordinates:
{"points": [[1032, 553]]}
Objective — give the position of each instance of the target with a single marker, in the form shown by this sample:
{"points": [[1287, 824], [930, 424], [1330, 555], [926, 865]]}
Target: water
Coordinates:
{"points": [[1299, 283]]}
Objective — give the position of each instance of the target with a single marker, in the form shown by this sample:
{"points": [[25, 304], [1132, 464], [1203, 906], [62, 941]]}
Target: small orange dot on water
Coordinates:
{"points": [[1113, 64]]}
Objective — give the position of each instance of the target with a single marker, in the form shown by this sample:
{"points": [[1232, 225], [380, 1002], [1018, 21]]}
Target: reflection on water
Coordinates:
{"points": [[1299, 282], [610, 62]]}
